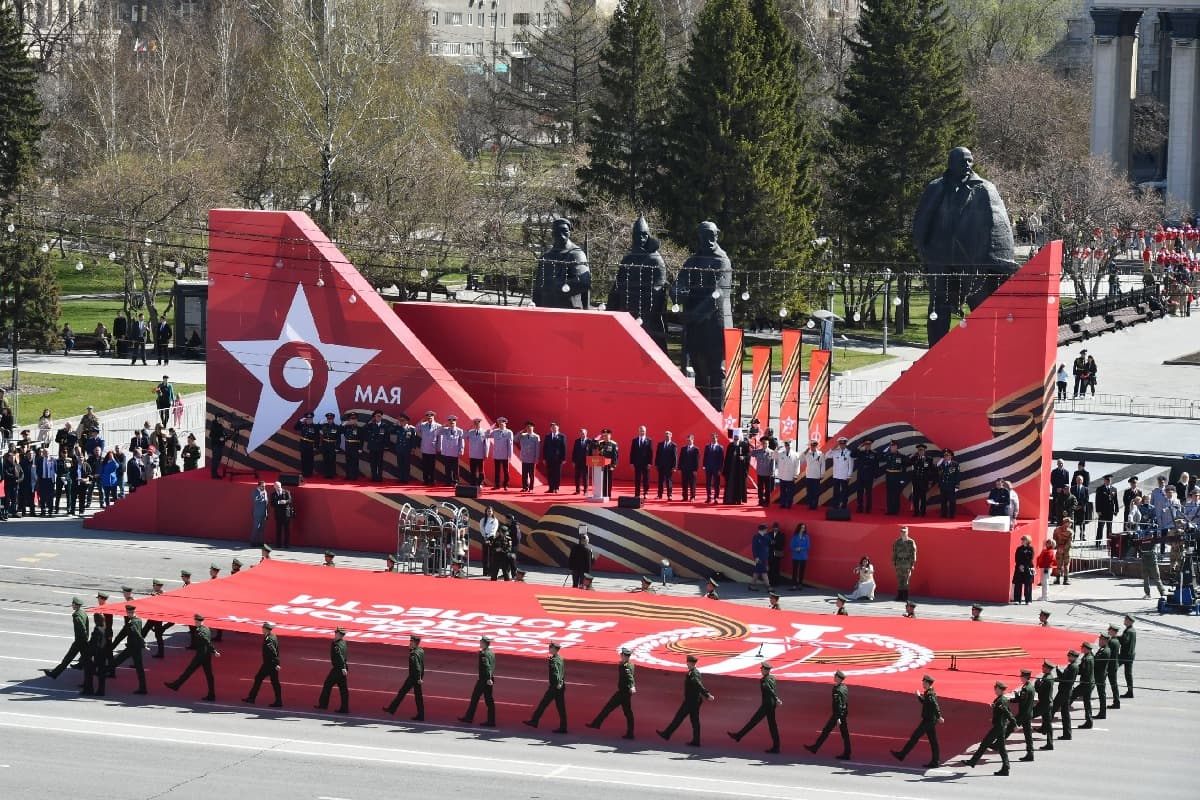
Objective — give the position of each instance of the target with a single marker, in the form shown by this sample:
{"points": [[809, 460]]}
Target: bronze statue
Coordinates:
{"points": [[962, 233], [702, 289], [562, 278], [640, 286]]}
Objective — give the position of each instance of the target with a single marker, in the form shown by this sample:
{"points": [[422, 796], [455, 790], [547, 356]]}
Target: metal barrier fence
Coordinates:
{"points": [[118, 426]]}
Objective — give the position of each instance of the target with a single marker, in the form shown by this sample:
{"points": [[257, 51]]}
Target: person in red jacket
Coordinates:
{"points": [[1046, 562]]}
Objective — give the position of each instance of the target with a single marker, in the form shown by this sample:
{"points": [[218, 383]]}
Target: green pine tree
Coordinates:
{"points": [[29, 291], [905, 106], [625, 139], [739, 152], [20, 111]]}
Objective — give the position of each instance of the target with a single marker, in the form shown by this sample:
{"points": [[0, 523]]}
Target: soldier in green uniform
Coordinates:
{"points": [[1025, 697], [1128, 646], [710, 589], [556, 692], [1114, 661], [773, 601], [1087, 683], [694, 694], [157, 627], [95, 659], [623, 696], [1102, 656], [1062, 696], [904, 560], [1002, 722], [910, 610], [838, 716], [201, 659], [352, 441], [841, 606], [309, 433], [416, 677], [894, 465], [331, 438], [931, 717], [134, 635], [102, 599], [338, 670], [766, 708], [1044, 686], [270, 667], [79, 622], [484, 681]]}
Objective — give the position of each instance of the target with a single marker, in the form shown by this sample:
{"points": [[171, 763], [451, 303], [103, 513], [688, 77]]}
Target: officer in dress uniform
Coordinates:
{"points": [[607, 448], [79, 623], [842, 461], [484, 680], [556, 692], [922, 471], [1002, 722], [841, 708], [948, 477], [529, 451], [376, 435], [478, 445], [339, 669], [331, 438], [894, 466], [352, 441], [1065, 683], [623, 696], [694, 694], [201, 659], [931, 717], [269, 669], [502, 439], [1087, 683], [1025, 698], [408, 438], [452, 443], [414, 681], [134, 635], [866, 467], [769, 699], [581, 448], [814, 470], [309, 434], [1044, 710], [428, 431]]}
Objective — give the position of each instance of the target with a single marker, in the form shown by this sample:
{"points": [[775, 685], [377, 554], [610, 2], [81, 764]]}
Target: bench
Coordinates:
{"points": [[1095, 327], [1066, 335], [1125, 316]]}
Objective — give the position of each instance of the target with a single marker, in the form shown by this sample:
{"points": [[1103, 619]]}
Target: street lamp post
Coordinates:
{"points": [[887, 302]]}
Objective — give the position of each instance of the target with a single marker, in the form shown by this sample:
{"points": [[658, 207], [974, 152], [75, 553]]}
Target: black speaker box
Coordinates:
{"points": [[291, 478], [629, 502], [466, 491], [837, 514]]}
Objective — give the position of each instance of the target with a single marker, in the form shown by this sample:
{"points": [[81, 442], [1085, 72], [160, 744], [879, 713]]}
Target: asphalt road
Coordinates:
{"points": [[54, 743]]}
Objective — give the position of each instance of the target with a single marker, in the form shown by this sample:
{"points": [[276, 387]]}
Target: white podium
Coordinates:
{"points": [[597, 465]]}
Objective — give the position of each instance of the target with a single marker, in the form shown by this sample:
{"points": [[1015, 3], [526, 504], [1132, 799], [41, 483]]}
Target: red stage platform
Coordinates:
{"points": [[883, 658]]}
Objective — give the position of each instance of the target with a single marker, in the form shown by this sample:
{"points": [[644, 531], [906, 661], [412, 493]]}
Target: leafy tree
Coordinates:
{"points": [[28, 291], [625, 140], [1003, 31], [739, 155]]}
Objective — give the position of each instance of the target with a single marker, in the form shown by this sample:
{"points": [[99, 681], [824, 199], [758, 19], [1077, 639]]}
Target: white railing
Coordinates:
{"points": [[118, 426]]}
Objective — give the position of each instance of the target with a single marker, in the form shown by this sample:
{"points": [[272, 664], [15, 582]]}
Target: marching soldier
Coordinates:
{"points": [[904, 561], [1025, 697], [694, 694], [408, 438], [1044, 686], [79, 622], [309, 434], [352, 442], [214, 572], [922, 470], [102, 599], [766, 708], [1128, 644], [623, 696], [134, 635], [96, 658], [1102, 656], [484, 681], [931, 717], [948, 478], [331, 438], [338, 670], [416, 677], [155, 626], [270, 667], [866, 467], [202, 659], [376, 435], [838, 717], [1002, 722], [1062, 695], [1114, 659], [894, 466], [556, 692], [1087, 682]]}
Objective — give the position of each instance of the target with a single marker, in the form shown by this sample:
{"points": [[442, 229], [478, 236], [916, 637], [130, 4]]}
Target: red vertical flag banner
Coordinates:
{"points": [[818, 395], [789, 386], [731, 408], [760, 384]]}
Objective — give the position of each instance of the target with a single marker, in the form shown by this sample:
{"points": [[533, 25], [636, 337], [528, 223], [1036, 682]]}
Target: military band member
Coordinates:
{"points": [[484, 681], [1044, 687], [1002, 722], [96, 658], [478, 445], [331, 438], [694, 694], [376, 435], [1114, 662], [428, 430], [502, 450], [134, 635], [894, 466], [408, 438], [1087, 683], [1026, 698], [866, 468], [269, 669], [1128, 645], [948, 477], [556, 692], [451, 445], [766, 709], [339, 669], [79, 624], [583, 447], [922, 471], [1065, 681], [931, 717], [607, 448], [1102, 655], [838, 716], [309, 433], [352, 442], [414, 681], [201, 659], [623, 696]]}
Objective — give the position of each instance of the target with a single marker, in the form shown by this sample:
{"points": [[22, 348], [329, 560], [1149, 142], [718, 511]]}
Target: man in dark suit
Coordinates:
{"points": [[46, 466], [641, 455], [554, 453], [580, 450], [713, 463], [689, 464], [1059, 476], [666, 459], [162, 342], [139, 331]]}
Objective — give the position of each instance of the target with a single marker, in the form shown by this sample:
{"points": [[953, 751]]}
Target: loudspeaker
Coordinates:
{"points": [[837, 514], [291, 478], [466, 491], [629, 502]]}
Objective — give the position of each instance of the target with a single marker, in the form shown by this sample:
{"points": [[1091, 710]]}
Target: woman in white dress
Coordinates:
{"points": [[866, 580]]}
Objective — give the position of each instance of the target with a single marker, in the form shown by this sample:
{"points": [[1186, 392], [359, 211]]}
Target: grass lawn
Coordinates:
{"points": [[98, 276], [844, 359], [68, 396]]}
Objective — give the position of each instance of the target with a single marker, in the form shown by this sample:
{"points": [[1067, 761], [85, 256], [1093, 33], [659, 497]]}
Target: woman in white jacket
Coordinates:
{"points": [[866, 580]]}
